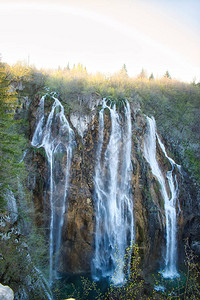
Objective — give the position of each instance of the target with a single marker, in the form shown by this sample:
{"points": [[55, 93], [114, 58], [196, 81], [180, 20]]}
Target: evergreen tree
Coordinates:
{"points": [[68, 67], [167, 75], [151, 77], [9, 140], [143, 74], [123, 71]]}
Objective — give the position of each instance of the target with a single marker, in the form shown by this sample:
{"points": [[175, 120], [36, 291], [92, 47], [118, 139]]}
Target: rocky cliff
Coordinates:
{"points": [[38, 232], [77, 246]]}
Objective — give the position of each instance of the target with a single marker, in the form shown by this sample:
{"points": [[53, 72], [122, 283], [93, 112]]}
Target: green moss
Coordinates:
{"points": [[148, 195], [157, 189], [40, 151], [194, 161]]}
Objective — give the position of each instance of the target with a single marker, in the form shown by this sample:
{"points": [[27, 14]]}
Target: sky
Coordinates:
{"points": [[156, 35]]}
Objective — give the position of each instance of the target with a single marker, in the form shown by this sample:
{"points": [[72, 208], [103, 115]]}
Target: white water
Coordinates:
{"points": [[170, 202], [24, 155], [44, 284], [114, 204], [54, 134]]}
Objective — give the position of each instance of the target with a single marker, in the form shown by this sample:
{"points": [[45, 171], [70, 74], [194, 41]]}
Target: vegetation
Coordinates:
{"points": [[18, 268], [176, 108], [16, 83], [19, 237], [185, 287], [134, 285], [11, 142], [175, 105]]}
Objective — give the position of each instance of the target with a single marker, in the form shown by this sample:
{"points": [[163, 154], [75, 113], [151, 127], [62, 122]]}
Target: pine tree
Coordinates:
{"points": [[167, 75], [68, 67], [123, 71], [9, 140], [143, 74], [151, 77]]}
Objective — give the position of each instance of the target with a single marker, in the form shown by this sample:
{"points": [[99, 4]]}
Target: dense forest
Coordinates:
{"points": [[24, 251]]}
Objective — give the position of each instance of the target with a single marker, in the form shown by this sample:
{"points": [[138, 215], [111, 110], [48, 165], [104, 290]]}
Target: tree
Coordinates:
{"points": [[68, 67], [123, 71], [151, 77], [18, 72], [9, 140], [143, 74], [167, 75]]}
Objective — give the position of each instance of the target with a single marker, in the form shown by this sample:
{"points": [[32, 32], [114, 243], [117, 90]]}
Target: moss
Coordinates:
{"points": [[157, 190], [99, 107], [194, 163], [148, 195], [40, 151]]}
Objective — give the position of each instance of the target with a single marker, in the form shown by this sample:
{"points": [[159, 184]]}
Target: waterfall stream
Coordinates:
{"points": [[170, 202], [113, 200], [54, 134]]}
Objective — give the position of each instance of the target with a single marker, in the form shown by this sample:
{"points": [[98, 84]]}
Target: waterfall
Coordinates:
{"points": [[170, 202], [54, 134], [113, 200]]}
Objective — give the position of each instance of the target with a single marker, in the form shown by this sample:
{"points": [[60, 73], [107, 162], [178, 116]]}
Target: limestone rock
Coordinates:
{"points": [[11, 206], [6, 293], [79, 220]]}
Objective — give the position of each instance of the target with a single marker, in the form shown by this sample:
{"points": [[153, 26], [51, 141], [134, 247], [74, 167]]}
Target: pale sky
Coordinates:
{"points": [[156, 35]]}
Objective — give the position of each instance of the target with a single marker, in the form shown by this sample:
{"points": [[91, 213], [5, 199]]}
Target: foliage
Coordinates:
{"points": [[175, 105], [142, 75], [11, 142], [167, 75], [151, 77], [186, 286], [19, 71], [11, 257], [123, 72], [16, 262], [134, 285], [17, 268], [192, 286], [84, 289], [38, 249]]}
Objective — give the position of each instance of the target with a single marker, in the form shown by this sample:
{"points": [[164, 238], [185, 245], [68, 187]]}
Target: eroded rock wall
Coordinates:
{"points": [[79, 222]]}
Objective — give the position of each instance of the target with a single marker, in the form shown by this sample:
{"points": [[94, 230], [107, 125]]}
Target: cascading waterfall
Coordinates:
{"points": [[54, 134], [113, 200], [170, 203]]}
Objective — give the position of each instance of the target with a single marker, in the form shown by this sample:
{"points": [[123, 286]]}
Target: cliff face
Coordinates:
{"points": [[189, 224], [78, 231]]}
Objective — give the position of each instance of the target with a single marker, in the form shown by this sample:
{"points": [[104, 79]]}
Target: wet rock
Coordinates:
{"points": [[79, 220]]}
